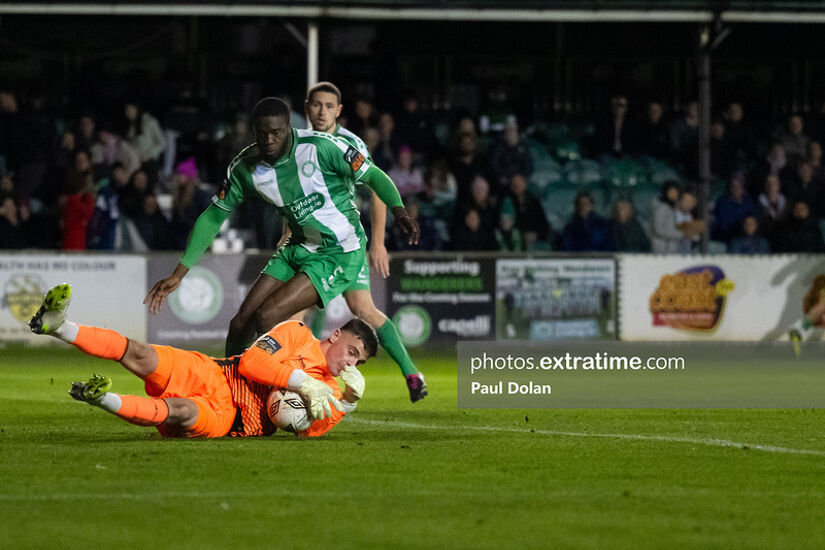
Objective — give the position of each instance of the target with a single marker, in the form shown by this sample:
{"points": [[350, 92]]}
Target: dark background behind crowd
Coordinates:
{"points": [[492, 146]]}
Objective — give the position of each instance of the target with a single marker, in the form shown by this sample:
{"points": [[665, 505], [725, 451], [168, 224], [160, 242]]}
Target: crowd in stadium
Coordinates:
{"points": [[625, 182]]}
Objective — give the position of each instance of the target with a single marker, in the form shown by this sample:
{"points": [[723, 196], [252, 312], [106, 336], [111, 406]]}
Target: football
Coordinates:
{"points": [[288, 411]]}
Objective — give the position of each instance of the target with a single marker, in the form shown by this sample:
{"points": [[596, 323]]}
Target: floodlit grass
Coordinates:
{"points": [[397, 475]]}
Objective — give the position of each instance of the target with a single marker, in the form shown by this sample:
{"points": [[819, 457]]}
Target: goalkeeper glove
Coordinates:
{"points": [[355, 384], [319, 396]]}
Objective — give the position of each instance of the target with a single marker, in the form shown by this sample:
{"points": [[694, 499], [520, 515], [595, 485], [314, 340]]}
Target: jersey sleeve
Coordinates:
{"points": [[267, 361], [231, 193], [336, 155]]}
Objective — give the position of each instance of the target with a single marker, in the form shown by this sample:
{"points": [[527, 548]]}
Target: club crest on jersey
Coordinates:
{"points": [[354, 159], [308, 168], [268, 344]]}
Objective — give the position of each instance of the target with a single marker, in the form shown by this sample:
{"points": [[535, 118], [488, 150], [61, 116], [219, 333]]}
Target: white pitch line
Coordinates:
{"points": [[636, 437]]}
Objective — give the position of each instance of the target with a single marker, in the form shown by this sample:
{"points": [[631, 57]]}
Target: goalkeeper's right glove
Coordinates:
{"points": [[354, 384], [319, 396]]}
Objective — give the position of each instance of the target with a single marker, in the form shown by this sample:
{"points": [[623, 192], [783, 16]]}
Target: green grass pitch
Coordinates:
{"points": [[397, 475]]}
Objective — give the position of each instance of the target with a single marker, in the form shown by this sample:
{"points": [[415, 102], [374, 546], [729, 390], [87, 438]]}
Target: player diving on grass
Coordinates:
{"points": [[323, 107], [309, 176], [193, 395]]}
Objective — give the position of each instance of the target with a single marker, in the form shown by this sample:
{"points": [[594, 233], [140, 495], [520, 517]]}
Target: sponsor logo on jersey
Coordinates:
{"points": [[268, 344], [305, 206], [223, 190], [354, 158]]}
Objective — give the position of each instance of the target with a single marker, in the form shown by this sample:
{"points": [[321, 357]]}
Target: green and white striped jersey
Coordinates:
{"points": [[312, 186]]}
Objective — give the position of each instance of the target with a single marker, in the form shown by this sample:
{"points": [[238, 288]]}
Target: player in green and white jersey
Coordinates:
{"points": [[309, 176], [323, 107]]}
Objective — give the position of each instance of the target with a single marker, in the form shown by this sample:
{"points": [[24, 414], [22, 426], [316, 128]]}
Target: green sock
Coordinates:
{"points": [[317, 324], [390, 340], [806, 324]]}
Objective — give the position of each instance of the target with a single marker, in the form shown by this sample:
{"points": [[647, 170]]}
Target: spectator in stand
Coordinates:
{"points": [[471, 235], [372, 138], [731, 209], [430, 241], [30, 135], [384, 152], [794, 139], [364, 117], [86, 132], [78, 210], [814, 158], [684, 138], [509, 156], [437, 200], [749, 240], [530, 218], [131, 195], [775, 162], [413, 127], [467, 163], [236, 138], [5, 117], [508, 236], [799, 232], [691, 228], [665, 236], [723, 160], [586, 231], [803, 186], [408, 178], [143, 131], [189, 202], [614, 136], [152, 224], [652, 138], [483, 203], [626, 233], [772, 203], [738, 131], [12, 232], [111, 148], [101, 233]]}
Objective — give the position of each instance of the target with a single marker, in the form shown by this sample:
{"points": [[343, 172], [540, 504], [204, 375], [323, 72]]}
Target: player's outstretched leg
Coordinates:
{"points": [[361, 304], [141, 411], [52, 312]]}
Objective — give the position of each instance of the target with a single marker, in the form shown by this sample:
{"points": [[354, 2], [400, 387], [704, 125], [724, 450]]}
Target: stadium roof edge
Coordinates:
{"points": [[417, 13]]}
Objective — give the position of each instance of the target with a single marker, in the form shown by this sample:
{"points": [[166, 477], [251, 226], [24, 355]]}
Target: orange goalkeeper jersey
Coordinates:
{"points": [[267, 365]]}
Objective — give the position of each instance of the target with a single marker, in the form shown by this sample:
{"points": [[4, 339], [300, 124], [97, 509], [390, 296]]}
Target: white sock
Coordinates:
{"points": [[67, 331], [110, 402]]}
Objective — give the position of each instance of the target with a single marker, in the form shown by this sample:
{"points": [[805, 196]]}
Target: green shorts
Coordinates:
{"points": [[331, 273], [362, 282]]}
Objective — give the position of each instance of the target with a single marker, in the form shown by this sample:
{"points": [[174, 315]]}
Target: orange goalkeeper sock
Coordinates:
{"points": [[143, 411], [101, 342]]}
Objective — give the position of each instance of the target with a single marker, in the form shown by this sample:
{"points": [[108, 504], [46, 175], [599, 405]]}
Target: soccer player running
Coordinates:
{"points": [[192, 395], [813, 308], [309, 176], [323, 107]]}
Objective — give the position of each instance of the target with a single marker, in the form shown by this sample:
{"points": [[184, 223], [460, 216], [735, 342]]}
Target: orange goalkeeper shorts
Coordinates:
{"points": [[196, 377]]}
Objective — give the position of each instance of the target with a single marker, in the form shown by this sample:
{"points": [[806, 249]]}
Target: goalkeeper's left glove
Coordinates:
{"points": [[354, 382]]}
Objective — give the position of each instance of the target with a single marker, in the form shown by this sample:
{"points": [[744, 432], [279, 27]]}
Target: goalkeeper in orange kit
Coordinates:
{"points": [[193, 395]]}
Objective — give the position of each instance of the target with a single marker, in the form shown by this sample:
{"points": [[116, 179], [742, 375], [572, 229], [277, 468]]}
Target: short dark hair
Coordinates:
{"points": [[365, 333], [270, 106], [324, 86]]}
